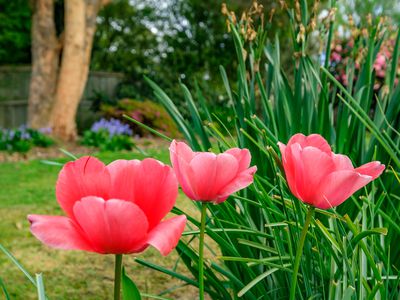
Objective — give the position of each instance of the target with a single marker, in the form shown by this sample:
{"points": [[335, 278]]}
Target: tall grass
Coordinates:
{"points": [[350, 252]]}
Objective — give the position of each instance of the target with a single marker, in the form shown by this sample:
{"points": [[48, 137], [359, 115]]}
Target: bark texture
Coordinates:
{"points": [[45, 53], [57, 98]]}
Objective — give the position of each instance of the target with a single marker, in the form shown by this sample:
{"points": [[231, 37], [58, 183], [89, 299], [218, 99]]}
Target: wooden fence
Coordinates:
{"points": [[14, 93]]}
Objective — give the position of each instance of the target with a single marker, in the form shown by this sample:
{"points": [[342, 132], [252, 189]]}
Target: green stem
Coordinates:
{"points": [[300, 251], [118, 276], [201, 250]]}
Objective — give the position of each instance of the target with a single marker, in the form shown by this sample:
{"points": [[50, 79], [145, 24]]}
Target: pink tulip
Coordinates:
{"points": [[205, 176], [318, 176], [115, 209]]}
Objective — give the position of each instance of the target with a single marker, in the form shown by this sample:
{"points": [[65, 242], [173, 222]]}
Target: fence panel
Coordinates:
{"points": [[14, 94]]}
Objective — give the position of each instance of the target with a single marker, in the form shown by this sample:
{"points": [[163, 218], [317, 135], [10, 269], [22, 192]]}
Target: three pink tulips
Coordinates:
{"points": [[120, 208], [114, 209], [209, 177], [320, 178]]}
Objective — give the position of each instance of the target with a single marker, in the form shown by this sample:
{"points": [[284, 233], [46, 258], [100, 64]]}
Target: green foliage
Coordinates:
{"points": [[123, 43], [349, 252], [23, 139], [129, 289], [185, 40], [15, 38], [98, 99], [146, 112], [106, 142]]}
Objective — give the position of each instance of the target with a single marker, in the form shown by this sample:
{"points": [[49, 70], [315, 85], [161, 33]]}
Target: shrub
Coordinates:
{"points": [[146, 112], [22, 139], [348, 55], [112, 135]]}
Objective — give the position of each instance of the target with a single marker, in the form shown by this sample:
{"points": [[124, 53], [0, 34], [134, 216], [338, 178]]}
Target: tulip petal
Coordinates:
{"points": [[112, 226], [181, 149], [119, 166], [227, 169], [156, 192], [282, 149], [317, 141], [212, 173], [289, 166], [373, 169], [180, 156], [165, 236], [185, 176], [342, 162], [242, 156], [298, 138], [294, 169], [149, 184], [123, 178], [338, 186], [203, 168], [313, 140], [241, 181], [86, 176], [58, 232], [316, 166]]}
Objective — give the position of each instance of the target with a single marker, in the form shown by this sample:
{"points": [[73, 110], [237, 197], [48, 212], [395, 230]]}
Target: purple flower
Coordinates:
{"points": [[11, 134], [25, 135], [112, 126]]}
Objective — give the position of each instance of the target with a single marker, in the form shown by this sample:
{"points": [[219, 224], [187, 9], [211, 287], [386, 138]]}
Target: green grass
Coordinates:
{"points": [[29, 187], [33, 182]]}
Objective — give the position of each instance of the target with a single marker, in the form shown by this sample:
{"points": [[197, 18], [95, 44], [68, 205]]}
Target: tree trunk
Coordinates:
{"points": [[80, 26], [68, 91], [56, 89], [45, 53]]}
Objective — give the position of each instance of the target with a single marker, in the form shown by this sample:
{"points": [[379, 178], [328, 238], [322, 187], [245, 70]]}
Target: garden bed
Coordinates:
{"points": [[74, 148]]}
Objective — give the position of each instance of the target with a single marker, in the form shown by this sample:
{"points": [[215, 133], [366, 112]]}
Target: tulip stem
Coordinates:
{"points": [[299, 251], [118, 276], [201, 250]]}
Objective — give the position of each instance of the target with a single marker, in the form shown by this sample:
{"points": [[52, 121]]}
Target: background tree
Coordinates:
{"points": [[164, 40], [125, 43], [60, 63], [177, 39], [15, 24]]}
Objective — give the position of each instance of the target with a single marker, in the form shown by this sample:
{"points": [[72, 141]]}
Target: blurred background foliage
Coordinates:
{"points": [[15, 24], [168, 40], [181, 40]]}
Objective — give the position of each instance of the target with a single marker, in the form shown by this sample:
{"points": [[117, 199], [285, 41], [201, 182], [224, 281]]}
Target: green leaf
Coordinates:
{"points": [[348, 293], [129, 289], [3, 287], [69, 154], [40, 287], [19, 266], [366, 233], [255, 281], [163, 136], [327, 234]]}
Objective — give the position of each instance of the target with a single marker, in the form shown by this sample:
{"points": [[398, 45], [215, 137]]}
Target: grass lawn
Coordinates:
{"points": [[29, 187]]}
